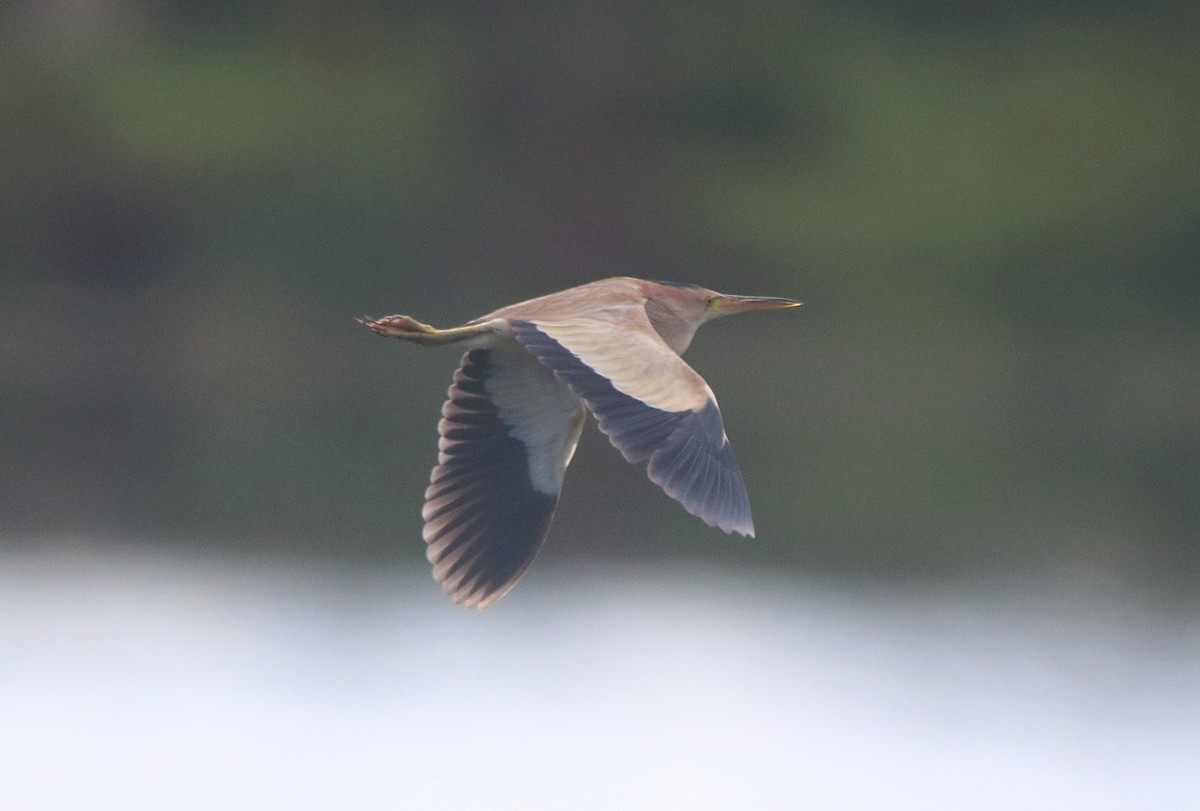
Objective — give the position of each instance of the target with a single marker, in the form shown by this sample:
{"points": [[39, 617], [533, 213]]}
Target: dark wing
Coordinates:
{"points": [[507, 433], [652, 406]]}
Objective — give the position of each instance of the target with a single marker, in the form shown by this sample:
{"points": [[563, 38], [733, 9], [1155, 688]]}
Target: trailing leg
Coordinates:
{"points": [[409, 329]]}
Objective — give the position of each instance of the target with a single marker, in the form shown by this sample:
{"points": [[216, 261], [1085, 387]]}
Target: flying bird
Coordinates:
{"points": [[517, 404]]}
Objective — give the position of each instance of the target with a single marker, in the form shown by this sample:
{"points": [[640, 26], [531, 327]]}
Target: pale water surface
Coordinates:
{"points": [[134, 680]]}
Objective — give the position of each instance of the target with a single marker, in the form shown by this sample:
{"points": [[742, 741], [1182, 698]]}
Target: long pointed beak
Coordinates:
{"points": [[741, 304]]}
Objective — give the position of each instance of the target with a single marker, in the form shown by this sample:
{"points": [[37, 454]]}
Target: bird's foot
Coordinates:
{"points": [[398, 326]]}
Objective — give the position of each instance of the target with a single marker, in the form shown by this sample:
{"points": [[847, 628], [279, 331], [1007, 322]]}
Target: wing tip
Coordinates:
{"points": [[472, 598], [743, 527], [476, 592]]}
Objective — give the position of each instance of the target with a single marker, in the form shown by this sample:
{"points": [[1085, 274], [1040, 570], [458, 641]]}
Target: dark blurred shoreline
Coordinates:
{"points": [[991, 212]]}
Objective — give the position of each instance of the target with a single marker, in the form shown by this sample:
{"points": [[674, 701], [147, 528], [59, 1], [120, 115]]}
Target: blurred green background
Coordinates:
{"points": [[992, 211]]}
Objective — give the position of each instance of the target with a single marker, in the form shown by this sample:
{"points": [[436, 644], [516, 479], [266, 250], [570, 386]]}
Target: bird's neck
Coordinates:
{"points": [[676, 328]]}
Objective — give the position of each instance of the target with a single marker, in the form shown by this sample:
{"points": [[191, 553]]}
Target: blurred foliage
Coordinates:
{"points": [[992, 211]]}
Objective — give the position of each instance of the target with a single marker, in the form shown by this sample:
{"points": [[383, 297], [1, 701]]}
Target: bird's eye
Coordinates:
{"points": [[709, 302]]}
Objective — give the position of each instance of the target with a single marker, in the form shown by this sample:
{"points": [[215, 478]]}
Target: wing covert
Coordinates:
{"points": [[652, 406]]}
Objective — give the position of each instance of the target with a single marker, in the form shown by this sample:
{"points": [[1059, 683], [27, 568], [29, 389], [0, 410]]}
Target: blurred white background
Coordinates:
{"points": [[137, 680]]}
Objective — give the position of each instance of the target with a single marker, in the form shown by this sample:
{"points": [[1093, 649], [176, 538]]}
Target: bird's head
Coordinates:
{"points": [[718, 304], [677, 310]]}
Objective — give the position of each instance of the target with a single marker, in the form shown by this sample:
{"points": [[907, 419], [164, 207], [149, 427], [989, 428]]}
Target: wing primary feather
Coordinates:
{"points": [[484, 521]]}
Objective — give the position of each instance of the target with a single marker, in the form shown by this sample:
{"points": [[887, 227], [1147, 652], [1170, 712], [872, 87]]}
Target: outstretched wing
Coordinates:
{"points": [[652, 406], [507, 433]]}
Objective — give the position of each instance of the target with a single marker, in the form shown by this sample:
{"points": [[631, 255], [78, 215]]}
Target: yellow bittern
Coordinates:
{"points": [[516, 409]]}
